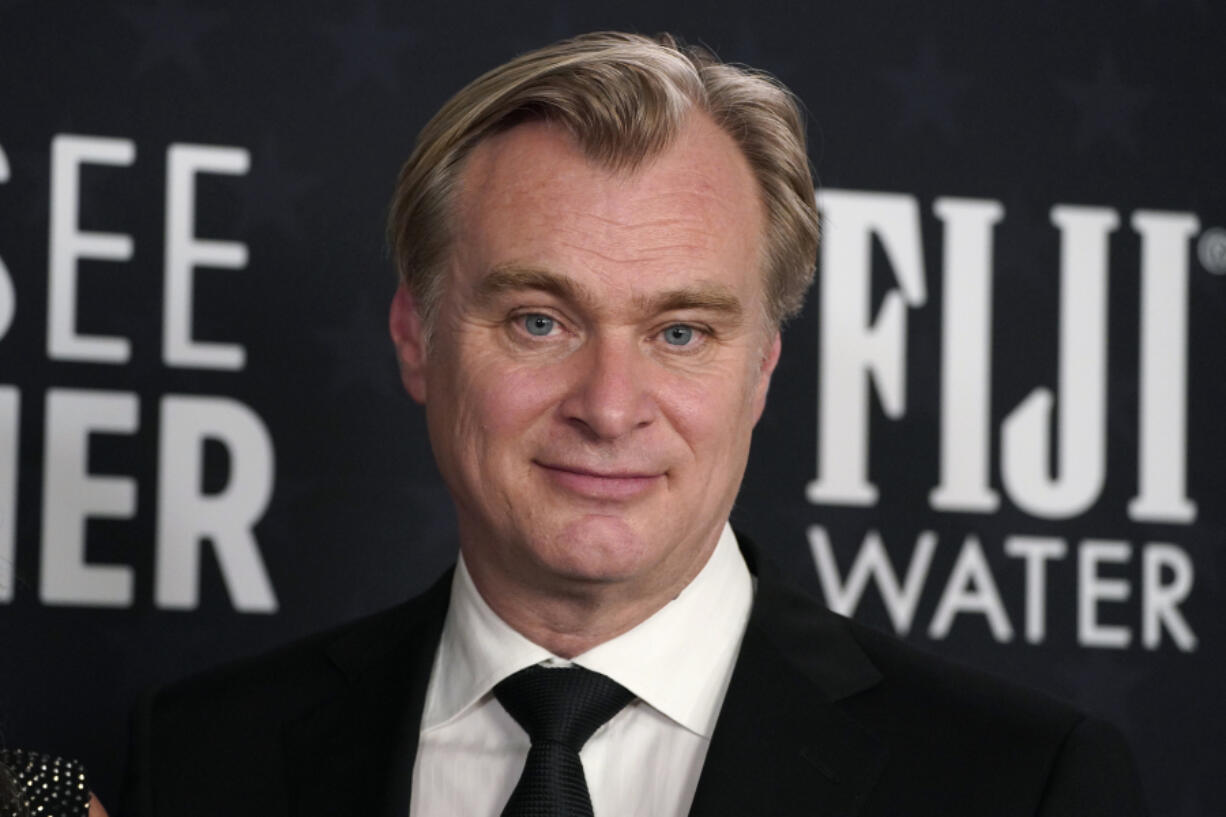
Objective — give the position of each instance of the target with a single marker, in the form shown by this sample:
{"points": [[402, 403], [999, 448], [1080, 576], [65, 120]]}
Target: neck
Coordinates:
{"points": [[569, 628], [569, 617]]}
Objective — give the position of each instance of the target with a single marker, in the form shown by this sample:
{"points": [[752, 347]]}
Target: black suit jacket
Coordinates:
{"points": [[822, 717]]}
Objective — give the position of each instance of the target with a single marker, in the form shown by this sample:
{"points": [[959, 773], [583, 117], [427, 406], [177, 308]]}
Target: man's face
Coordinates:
{"points": [[598, 361]]}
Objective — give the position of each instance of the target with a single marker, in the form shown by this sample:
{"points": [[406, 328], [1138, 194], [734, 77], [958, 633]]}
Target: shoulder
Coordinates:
{"points": [[953, 738], [926, 687], [313, 665], [887, 681], [942, 720], [257, 722]]}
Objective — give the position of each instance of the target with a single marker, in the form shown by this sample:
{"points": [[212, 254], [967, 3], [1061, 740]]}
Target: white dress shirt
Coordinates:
{"points": [[646, 760]]}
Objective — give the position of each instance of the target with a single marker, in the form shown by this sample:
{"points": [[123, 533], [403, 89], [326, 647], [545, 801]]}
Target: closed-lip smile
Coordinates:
{"points": [[611, 484]]}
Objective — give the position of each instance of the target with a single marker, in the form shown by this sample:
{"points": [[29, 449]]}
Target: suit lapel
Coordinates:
{"points": [[782, 744], [354, 753]]}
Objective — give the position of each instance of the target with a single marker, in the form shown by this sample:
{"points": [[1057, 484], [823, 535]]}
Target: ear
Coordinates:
{"points": [[409, 337], [770, 359]]}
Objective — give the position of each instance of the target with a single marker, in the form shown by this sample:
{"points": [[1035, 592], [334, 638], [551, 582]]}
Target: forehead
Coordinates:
{"points": [[530, 196]]}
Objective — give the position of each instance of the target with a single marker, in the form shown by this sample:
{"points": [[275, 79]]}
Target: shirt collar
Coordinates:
{"points": [[678, 661]]}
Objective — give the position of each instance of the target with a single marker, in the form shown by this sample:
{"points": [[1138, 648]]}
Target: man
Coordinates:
{"points": [[598, 243]]}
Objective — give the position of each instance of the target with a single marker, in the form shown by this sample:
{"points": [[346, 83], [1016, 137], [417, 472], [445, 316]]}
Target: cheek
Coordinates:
{"points": [[524, 392], [709, 412], [495, 403]]}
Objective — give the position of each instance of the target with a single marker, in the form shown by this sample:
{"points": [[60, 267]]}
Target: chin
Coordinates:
{"points": [[597, 548]]}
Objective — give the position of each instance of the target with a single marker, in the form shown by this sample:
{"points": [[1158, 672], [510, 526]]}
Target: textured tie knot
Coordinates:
{"points": [[562, 705]]}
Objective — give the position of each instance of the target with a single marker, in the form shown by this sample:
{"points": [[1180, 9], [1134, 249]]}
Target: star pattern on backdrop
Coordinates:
{"points": [[1107, 107], [369, 51], [362, 356], [273, 191], [929, 93], [170, 31]]}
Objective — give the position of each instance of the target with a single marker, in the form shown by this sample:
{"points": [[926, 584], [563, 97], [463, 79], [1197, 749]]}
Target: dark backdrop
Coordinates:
{"points": [[1011, 191]]}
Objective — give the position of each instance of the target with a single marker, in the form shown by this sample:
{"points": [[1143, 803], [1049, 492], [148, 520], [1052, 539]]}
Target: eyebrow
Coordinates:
{"points": [[513, 278], [705, 298]]}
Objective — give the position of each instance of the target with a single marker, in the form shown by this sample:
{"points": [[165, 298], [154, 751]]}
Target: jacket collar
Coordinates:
{"points": [[354, 754], [783, 745]]}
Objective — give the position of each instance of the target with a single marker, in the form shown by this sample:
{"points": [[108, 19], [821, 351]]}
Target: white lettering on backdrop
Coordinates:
{"points": [[1053, 444], [186, 517]]}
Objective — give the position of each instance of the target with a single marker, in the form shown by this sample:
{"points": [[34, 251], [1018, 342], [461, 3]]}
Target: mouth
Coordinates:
{"points": [[610, 485]]}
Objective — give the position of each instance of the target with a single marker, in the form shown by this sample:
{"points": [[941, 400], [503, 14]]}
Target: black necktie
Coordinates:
{"points": [[559, 709]]}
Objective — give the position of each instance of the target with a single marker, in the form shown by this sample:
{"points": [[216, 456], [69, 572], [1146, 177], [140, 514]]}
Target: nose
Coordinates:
{"points": [[610, 396]]}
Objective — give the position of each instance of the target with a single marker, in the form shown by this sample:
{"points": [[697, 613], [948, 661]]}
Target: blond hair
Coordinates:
{"points": [[624, 98]]}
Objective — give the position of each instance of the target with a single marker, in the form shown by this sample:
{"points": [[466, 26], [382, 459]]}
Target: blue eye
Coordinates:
{"points": [[679, 335], [539, 325]]}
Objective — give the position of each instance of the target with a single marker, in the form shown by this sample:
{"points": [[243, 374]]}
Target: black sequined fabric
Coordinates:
{"points": [[42, 786], [559, 709]]}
